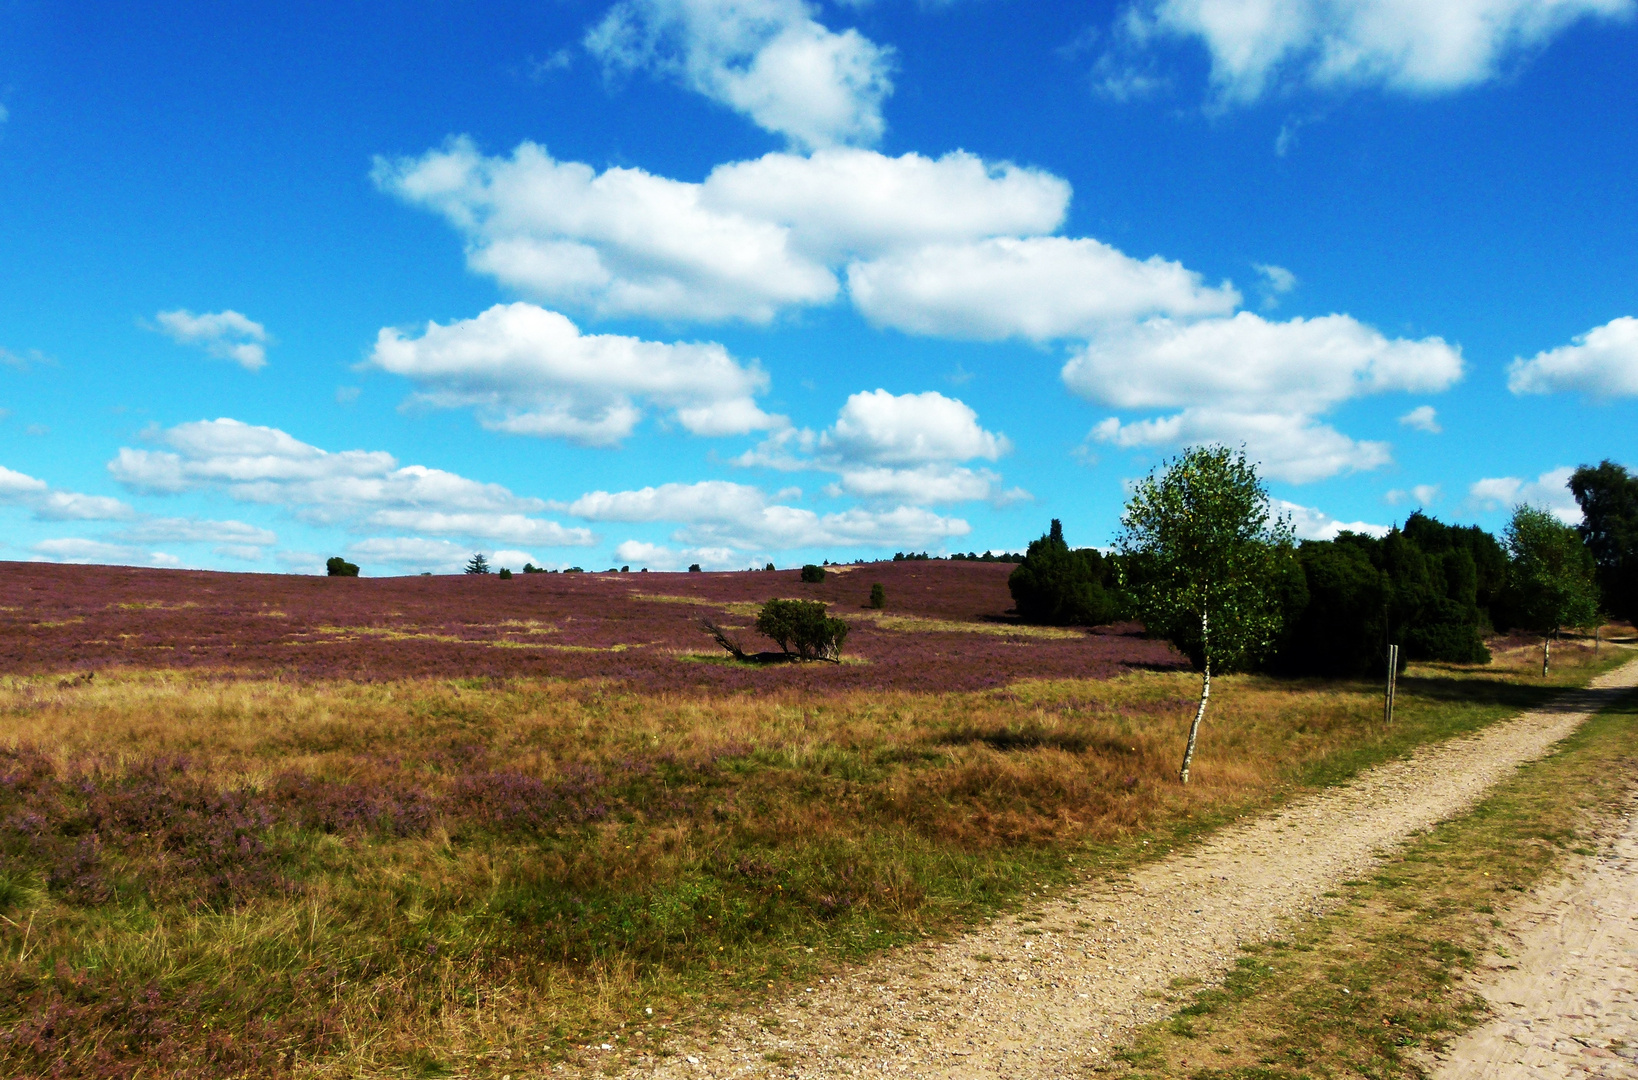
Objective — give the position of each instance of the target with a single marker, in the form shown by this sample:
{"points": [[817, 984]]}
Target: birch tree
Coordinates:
{"points": [[1202, 558], [1551, 575]]}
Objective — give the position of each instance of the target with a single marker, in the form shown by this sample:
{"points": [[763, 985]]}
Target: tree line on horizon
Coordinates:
{"points": [[1434, 589], [1203, 561]]}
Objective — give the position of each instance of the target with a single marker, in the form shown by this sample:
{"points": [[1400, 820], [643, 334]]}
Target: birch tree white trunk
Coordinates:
{"points": [[1205, 695], [1546, 652]]}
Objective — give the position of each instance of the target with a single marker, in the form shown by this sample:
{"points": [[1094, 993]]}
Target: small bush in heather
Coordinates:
{"points": [[813, 574], [336, 566], [802, 629], [505, 574], [878, 597]]}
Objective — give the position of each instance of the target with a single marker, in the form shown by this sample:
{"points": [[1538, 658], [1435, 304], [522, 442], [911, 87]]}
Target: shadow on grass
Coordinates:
{"points": [[1509, 695]]}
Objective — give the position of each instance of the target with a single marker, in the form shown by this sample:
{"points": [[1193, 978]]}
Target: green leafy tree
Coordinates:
{"points": [[505, 574], [1608, 496], [813, 574], [1213, 556], [803, 629], [477, 564], [1060, 587], [1552, 576], [336, 566]]}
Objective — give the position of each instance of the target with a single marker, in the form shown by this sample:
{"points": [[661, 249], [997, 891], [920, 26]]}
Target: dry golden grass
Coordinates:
{"points": [[717, 844]]}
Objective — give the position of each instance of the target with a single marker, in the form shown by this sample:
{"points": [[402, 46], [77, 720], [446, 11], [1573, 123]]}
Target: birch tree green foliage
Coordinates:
{"points": [[1551, 576], [1203, 557]]}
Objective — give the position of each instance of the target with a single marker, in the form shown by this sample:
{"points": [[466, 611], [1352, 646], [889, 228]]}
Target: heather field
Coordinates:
{"points": [[944, 627], [430, 827]]}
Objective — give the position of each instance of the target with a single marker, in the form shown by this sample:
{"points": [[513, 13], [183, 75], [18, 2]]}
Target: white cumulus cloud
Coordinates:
{"points": [[411, 553], [356, 487], [75, 549], [1246, 379], [910, 429], [1040, 288], [1288, 447], [725, 521], [226, 335], [1411, 46], [708, 500], [1276, 282], [53, 504], [1422, 495], [1602, 363], [769, 60], [1549, 491], [903, 448], [924, 484], [530, 371], [659, 557], [783, 528], [197, 530], [754, 238], [1422, 418], [1311, 524]]}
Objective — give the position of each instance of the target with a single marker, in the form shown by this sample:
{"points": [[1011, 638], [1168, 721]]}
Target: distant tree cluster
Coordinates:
{"points": [[988, 556], [336, 566], [1058, 586], [1432, 589], [1608, 496]]}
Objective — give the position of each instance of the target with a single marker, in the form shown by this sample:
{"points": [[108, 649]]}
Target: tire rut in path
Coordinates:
{"points": [[1083, 972]]}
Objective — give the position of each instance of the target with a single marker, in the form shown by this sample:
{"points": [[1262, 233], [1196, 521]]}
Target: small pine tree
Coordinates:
{"points": [[477, 564], [878, 597]]}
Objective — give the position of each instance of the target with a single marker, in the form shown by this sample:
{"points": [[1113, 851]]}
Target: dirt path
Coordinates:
{"points": [[1047, 993], [1564, 987]]}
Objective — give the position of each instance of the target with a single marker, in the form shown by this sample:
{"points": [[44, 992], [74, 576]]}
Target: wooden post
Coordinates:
{"points": [[1391, 685]]}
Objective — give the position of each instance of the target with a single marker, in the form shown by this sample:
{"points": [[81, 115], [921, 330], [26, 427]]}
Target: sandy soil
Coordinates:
{"points": [[1050, 992], [1563, 983]]}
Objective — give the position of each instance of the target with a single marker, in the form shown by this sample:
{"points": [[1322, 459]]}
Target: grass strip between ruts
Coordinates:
{"points": [[1371, 988]]}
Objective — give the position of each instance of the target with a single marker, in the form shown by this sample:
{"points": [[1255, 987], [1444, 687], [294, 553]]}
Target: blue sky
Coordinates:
{"points": [[654, 282]]}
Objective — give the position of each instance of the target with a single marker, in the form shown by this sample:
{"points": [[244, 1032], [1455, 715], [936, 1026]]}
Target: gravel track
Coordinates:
{"points": [[1563, 989], [1051, 991]]}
